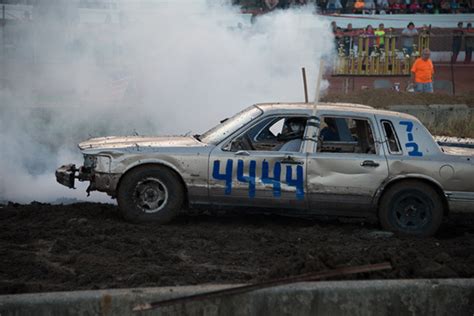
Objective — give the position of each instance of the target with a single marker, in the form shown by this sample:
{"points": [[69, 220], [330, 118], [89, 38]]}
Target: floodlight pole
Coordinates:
{"points": [[310, 143]]}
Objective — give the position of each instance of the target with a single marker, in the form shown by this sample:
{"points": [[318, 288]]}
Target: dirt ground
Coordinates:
{"points": [[88, 246]]}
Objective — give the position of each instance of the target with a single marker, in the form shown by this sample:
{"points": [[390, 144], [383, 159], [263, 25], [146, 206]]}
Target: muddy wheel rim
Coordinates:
{"points": [[412, 211], [150, 195]]}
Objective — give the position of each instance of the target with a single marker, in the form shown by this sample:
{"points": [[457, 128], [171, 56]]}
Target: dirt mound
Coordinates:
{"points": [[88, 246]]}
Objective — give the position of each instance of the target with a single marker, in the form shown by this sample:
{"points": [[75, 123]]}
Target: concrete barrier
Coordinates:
{"points": [[377, 297]]}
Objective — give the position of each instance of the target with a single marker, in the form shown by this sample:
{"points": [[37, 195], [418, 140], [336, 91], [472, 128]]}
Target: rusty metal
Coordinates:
{"points": [[272, 283]]}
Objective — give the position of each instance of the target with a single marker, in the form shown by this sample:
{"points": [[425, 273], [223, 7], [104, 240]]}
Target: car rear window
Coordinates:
{"points": [[392, 139]]}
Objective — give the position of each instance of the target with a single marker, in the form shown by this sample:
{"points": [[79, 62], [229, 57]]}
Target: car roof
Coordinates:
{"points": [[344, 108]]}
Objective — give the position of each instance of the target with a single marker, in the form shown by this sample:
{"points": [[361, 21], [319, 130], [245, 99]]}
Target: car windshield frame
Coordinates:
{"points": [[220, 132]]}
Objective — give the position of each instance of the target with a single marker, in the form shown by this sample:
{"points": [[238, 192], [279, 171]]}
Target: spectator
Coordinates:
{"points": [[369, 33], [408, 38], [369, 7], [359, 6], [445, 6], [339, 38], [300, 2], [382, 6], [414, 7], [333, 27], [334, 5], [396, 7], [454, 5], [426, 30], [284, 4], [429, 7], [470, 6], [270, 5], [380, 36], [422, 73], [457, 42], [468, 42], [349, 7], [348, 39]]}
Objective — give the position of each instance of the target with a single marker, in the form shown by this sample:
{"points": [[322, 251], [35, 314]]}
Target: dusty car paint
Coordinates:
{"points": [[312, 182]]}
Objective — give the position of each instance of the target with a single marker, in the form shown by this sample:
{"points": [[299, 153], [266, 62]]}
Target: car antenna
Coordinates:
{"points": [[312, 126]]}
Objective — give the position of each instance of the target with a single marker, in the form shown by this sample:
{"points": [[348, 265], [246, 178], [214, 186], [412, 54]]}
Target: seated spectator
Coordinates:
{"points": [[369, 7], [270, 5], [398, 7], [284, 4], [382, 6], [445, 6], [470, 6], [349, 8], [334, 5], [454, 5], [414, 7], [300, 2], [429, 7], [359, 6]]}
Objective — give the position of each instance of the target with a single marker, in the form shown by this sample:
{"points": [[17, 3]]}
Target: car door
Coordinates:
{"points": [[349, 167], [250, 169]]}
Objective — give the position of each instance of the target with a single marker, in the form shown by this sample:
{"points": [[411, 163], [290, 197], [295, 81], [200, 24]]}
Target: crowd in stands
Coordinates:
{"points": [[396, 6], [367, 6], [346, 40]]}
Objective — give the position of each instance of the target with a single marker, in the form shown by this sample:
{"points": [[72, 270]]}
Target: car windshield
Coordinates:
{"points": [[218, 133]]}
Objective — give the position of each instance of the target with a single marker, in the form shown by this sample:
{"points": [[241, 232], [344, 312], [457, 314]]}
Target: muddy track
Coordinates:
{"points": [[88, 246]]}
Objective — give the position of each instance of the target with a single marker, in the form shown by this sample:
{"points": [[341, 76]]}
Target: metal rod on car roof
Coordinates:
{"points": [[257, 286], [318, 85], [305, 85], [310, 139]]}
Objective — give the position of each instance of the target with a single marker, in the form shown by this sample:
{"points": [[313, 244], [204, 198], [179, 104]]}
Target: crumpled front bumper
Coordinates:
{"points": [[66, 175]]}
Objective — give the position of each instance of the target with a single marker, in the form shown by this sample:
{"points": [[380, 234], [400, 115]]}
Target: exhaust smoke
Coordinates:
{"points": [[163, 67]]}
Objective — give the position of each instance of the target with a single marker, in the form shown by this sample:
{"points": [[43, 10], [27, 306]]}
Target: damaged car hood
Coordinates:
{"points": [[122, 142]]}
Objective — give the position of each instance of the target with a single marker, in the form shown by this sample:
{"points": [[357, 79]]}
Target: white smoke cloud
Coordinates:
{"points": [[166, 67]]}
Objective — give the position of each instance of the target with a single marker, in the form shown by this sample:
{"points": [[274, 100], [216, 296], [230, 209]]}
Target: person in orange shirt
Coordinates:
{"points": [[422, 72]]}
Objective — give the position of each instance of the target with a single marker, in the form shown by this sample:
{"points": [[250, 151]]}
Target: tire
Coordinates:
{"points": [[411, 208], [150, 194]]}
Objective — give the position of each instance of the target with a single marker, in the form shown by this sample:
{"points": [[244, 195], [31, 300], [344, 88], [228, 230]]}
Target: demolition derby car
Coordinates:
{"points": [[364, 162]]}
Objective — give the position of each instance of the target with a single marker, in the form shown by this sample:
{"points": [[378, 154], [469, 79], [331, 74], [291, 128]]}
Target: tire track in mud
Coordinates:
{"points": [[88, 246]]}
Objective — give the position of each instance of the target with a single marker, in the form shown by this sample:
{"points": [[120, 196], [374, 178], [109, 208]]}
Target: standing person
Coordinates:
{"points": [[369, 33], [348, 39], [468, 42], [408, 37], [339, 37], [380, 36], [457, 42], [422, 72]]}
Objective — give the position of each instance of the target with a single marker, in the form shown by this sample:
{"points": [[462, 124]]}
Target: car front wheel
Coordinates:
{"points": [[411, 208], [150, 193]]}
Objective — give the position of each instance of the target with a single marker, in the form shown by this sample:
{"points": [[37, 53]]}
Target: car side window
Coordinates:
{"points": [[392, 139], [272, 134], [346, 135]]}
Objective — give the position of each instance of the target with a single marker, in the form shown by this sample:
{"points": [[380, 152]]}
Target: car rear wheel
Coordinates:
{"points": [[411, 208], [150, 194]]}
